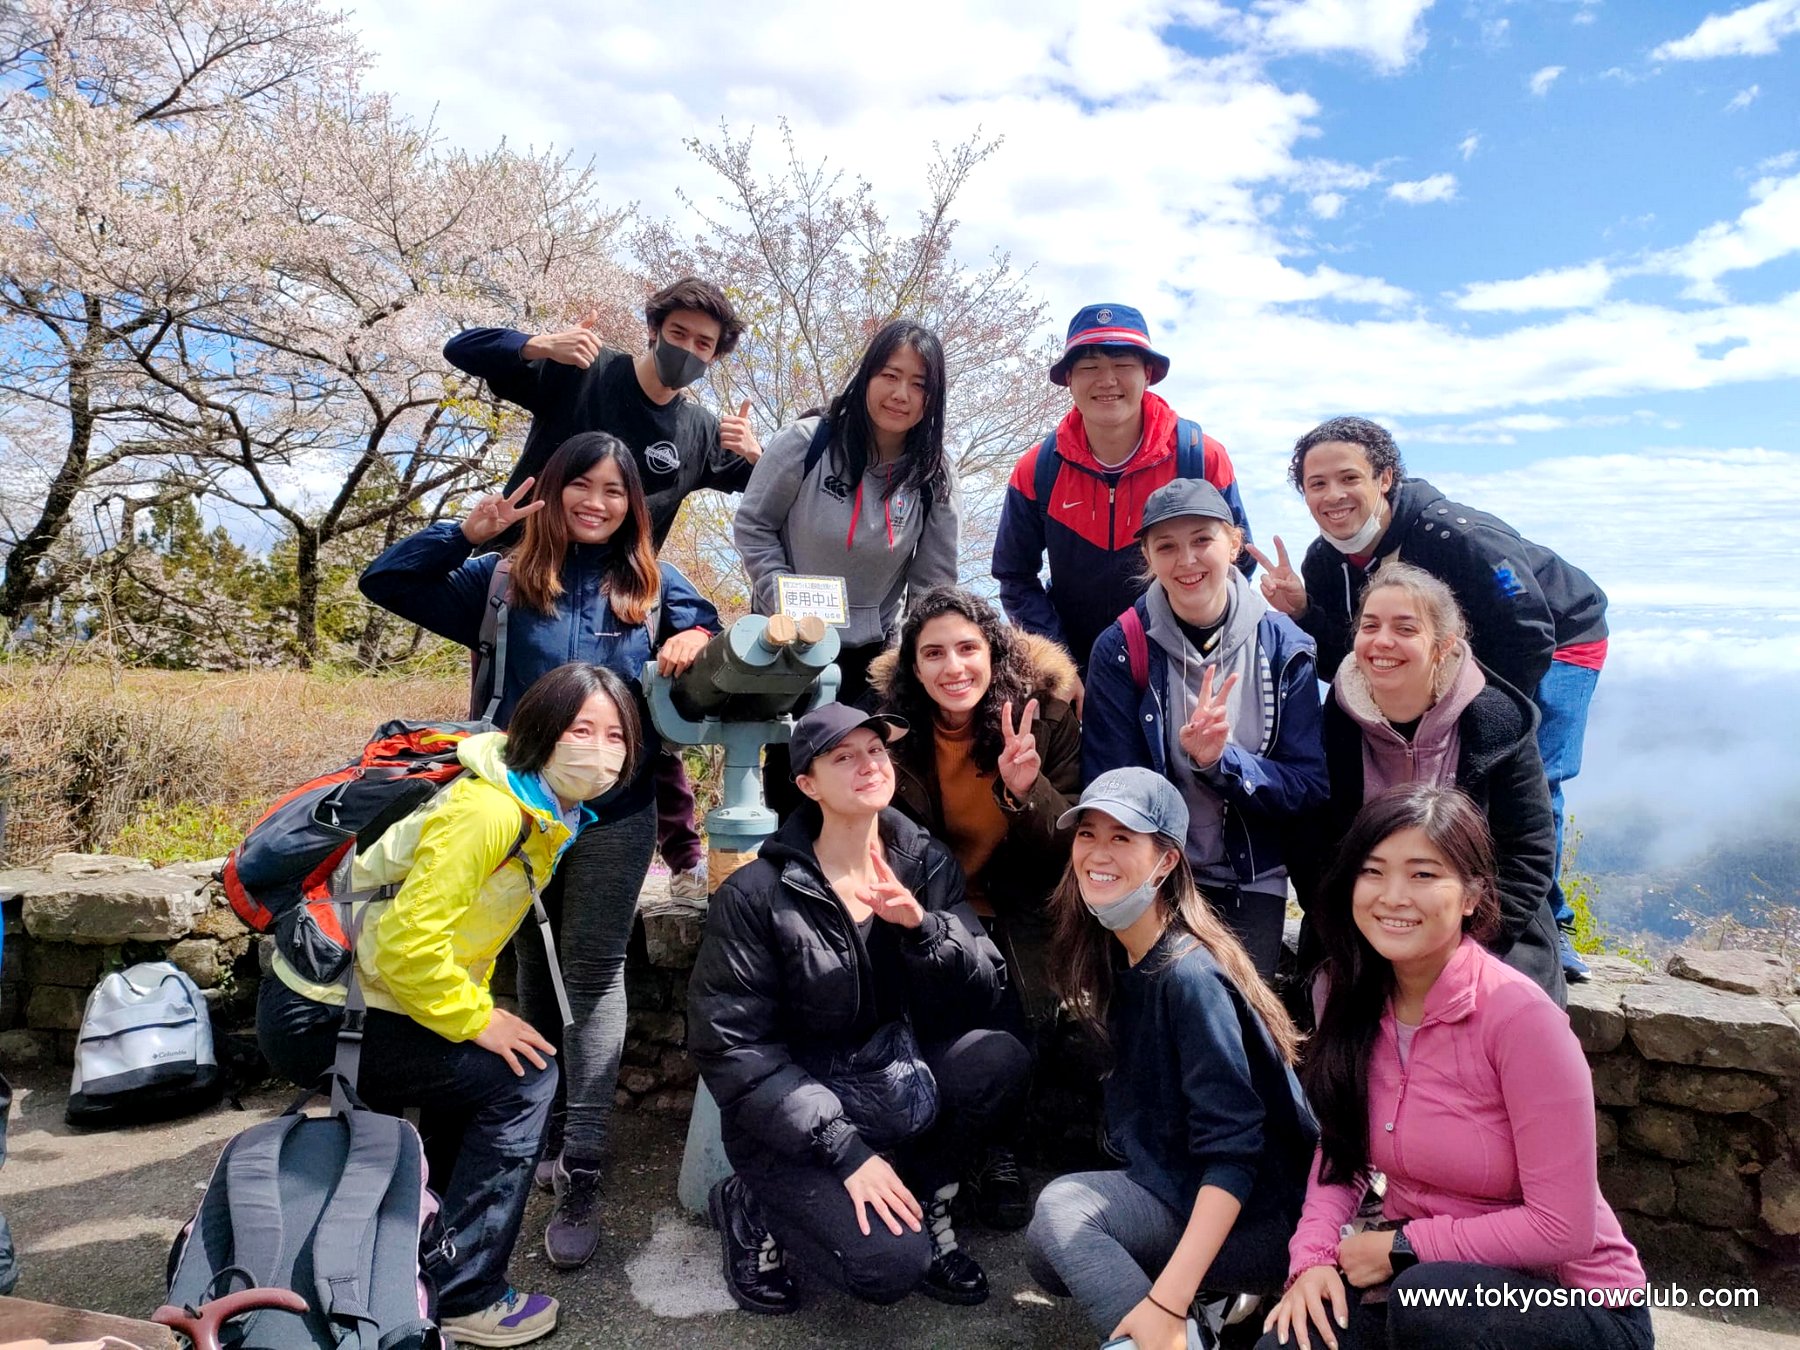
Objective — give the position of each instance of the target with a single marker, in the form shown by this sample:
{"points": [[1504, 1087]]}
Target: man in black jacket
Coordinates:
{"points": [[1535, 620]]}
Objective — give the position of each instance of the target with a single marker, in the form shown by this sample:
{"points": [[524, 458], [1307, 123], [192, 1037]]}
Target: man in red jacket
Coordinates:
{"points": [[1079, 493]]}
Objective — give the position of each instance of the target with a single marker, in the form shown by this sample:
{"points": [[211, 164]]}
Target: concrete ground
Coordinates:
{"points": [[93, 1215]]}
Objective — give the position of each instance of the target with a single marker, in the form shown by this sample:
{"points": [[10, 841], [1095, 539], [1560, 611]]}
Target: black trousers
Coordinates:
{"points": [[811, 1214], [1394, 1325], [1257, 918]]}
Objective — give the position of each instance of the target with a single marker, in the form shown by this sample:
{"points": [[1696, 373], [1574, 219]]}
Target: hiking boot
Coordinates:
{"points": [[1575, 970], [543, 1176], [691, 884], [954, 1277], [755, 1269], [574, 1230], [514, 1320], [997, 1192]]}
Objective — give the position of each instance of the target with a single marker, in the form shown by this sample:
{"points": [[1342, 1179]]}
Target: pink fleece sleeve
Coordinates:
{"points": [[1327, 1209], [1548, 1092]]}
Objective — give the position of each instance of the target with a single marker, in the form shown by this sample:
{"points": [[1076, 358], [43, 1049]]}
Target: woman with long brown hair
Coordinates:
{"points": [[585, 585], [1202, 1104]]}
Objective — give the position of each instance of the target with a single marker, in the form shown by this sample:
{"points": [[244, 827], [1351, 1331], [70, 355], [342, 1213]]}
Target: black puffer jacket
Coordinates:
{"points": [[784, 981], [1522, 600]]}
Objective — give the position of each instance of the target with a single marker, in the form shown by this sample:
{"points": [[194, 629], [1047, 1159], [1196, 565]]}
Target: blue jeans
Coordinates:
{"points": [[482, 1124], [1562, 698]]}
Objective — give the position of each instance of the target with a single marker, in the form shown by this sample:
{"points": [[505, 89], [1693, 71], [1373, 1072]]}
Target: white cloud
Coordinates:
{"points": [[1327, 205], [1763, 232], [1744, 98], [1440, 187], [1540, 83], [1494, 32], [1754, 30], [1558, 288], [1781, 163], [1589, 12], [1388, 33], [1468, 145]]}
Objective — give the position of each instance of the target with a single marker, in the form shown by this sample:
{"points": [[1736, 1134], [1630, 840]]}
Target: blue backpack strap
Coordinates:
{"points": [[1190, 450], [815, 451], [1137, 647], [253, 1194], [489, 681], [1048, 465], [343, 1245]]}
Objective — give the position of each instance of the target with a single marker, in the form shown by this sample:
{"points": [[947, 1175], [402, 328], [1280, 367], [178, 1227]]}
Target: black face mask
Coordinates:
{"points": [[677, 367]]}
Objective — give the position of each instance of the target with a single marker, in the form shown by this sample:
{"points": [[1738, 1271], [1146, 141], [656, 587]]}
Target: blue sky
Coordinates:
{"points": [[1554, 243]]}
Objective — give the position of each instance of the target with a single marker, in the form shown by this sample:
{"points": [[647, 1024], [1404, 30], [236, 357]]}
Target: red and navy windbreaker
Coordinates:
{"points": [[1089, 525]]}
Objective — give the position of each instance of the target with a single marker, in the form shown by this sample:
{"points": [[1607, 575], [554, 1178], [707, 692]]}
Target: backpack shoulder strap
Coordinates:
{"points": [[489, 682], [543, 922], [815, 451], [1137, 647], [253, 1198], [343, 1245], [1044, 479], [1190, 450]]}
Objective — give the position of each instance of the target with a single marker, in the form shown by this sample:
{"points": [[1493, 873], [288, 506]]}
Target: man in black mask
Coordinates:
{"points": [[570, 384]]}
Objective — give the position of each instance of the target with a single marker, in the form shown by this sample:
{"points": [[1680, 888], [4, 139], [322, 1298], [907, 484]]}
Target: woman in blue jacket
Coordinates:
{"points": [[1204, 683], [584, 585], [1202, 1105]]}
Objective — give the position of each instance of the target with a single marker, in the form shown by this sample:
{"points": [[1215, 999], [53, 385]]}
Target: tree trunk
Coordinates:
{"points": [[306, 596]]}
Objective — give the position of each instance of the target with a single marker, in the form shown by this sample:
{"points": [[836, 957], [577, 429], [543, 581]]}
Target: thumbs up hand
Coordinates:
{"points": [[738, 436], [578, 346]]}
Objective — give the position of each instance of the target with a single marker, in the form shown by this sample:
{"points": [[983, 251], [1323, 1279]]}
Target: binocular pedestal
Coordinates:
{"points": [[743, 692]]}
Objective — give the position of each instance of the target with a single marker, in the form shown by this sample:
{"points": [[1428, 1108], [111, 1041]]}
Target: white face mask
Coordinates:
{"points": [[1365, 538], [579, 771]]}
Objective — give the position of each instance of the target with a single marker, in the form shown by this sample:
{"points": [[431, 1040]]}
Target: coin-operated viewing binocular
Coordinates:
{"points": [[743, 692]]}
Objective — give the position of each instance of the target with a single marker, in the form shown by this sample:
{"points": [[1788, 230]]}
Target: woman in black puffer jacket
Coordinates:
{"points": [[837, 1014]]}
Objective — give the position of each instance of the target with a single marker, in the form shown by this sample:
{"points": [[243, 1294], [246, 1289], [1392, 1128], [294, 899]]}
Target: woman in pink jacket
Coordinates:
{"points": [[1458, 1078]]}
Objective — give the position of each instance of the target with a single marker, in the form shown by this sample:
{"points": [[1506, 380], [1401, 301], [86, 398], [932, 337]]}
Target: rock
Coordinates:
{"points": [[1715, 1196], [1614, 970], [661, 1028], [24, 1049], [1643, 1185], [1734, 972], [53, 1007], [1678, 1022], [1606, 1133], [1616, 1079], [672, 932], [83, 866], [203, 871], [1780, 1184], [671, 1103], [677, 1069], [105, 910], [1716, 1091], [1597, 1013], [639, 1081], [63, 963], [623, 1100], [265, 956], [1666, 1133], [198, 958], [219, 920], [1677, 1250]]}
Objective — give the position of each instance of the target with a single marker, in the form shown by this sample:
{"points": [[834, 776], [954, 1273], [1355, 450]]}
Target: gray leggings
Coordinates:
{"points": [[592, 901], [1102, 1238]]}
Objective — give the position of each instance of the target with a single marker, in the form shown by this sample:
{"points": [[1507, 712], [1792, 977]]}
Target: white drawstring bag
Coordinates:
{"points": [[145, 1048]]}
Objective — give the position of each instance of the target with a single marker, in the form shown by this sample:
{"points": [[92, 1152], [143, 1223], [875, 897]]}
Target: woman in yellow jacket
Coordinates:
{"points": [[482, 1077]]}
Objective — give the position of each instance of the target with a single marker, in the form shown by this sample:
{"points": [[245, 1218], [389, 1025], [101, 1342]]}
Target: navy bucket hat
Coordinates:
{"points": [[1109, 326]]}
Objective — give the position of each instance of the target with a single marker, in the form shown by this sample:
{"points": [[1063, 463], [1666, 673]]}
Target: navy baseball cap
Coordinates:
{"points": [[1184, 497], [824, 727], [1138, 799], [1109, 326]]}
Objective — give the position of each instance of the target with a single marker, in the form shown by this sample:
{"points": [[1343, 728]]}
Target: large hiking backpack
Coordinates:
{"points": [[310, 1236], [145, 1049]]}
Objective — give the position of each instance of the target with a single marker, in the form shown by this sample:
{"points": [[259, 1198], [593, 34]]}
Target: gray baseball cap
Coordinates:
{"points": [[1184, 497], [1138, 799]]}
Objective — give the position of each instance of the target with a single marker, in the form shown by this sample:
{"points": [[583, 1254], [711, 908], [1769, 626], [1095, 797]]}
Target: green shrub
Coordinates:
{"points": [[186, 831]]}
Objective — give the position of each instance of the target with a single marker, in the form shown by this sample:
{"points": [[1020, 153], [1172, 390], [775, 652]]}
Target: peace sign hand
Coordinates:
{"points": [[1282, 586], [1205, 734], [496, 513], [890, 900], [1019, 758]]}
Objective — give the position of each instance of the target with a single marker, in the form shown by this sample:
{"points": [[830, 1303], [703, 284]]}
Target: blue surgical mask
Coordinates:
{"points": [[1121, 914]]}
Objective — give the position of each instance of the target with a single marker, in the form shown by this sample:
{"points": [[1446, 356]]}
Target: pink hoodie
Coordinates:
{"points": [[1486, 1138]]}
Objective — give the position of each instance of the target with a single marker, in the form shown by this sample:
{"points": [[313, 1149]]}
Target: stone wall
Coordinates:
{"points": [[1697, 1091]]}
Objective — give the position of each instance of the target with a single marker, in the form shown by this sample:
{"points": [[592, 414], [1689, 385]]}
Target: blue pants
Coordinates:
{"points": [[482, 1124], [1562, 698]]}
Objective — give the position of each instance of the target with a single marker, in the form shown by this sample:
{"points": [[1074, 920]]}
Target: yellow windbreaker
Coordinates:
{"points": [[429, 952]]}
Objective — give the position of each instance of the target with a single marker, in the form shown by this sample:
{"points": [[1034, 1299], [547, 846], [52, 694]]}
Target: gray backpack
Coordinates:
{"points": [[145, 1049]]}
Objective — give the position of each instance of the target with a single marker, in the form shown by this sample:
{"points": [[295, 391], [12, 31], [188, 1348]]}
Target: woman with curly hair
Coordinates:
{"points": [[1001, 763]]}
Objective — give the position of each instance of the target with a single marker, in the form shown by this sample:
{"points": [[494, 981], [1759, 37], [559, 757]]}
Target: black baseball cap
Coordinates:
{"points": [[824, 727], [1184, 497]]}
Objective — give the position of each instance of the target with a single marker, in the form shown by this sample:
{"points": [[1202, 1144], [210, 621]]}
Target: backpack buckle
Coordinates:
{"points": [[352, 1029]]}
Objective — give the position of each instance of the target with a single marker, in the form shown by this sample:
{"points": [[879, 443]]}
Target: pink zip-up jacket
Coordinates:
{"points": [[1486, 1138]]}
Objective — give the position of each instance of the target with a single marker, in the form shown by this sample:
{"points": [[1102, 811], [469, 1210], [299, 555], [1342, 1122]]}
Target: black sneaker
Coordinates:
{"points": [[997, 1193], [755, 1269], [573, 1234], [954, 1277]]}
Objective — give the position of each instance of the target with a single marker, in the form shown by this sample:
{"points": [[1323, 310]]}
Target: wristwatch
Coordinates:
{"points": [[1401, 1256]]}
